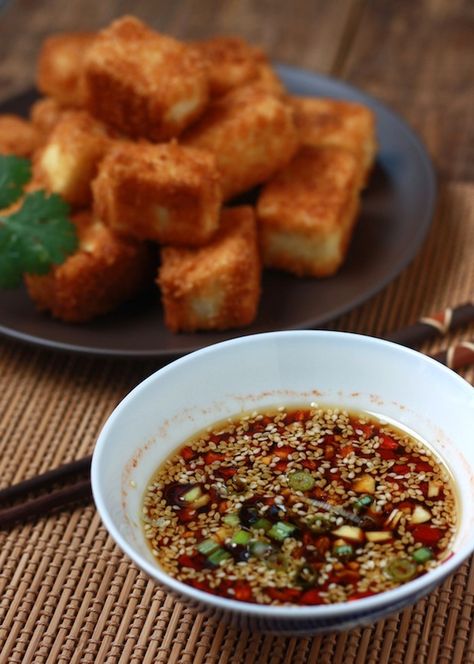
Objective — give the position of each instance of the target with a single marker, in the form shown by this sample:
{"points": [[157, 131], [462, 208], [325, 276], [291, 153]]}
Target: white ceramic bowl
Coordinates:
{"points": [[283, 368]]}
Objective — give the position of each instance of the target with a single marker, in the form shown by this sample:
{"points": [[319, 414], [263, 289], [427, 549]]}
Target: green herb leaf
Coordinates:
{"points": [[35, 237], [15, 172]]}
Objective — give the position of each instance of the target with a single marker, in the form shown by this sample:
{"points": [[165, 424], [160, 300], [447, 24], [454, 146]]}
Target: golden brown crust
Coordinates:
{"points": [[251, 133], [215, 287], [232, 62], [45, 114], [104, 272], [60, 66], [332, 122], [144, 83], [18, 136], [307, 212], [167, 193], [69, 160]]}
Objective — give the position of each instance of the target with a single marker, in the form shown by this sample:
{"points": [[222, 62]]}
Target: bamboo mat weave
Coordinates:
{"points": [[68, 595]]}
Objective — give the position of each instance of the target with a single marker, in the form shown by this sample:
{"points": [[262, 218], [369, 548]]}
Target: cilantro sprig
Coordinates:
{"points": [[15, 172], [36, 236]]}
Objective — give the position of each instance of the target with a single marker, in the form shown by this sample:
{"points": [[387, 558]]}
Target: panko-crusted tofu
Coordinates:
{"points": [[144, 83], [306, 213], [105, 271], [251, 133], [60, 66], [167, 192], [333, 122], [68, 162], [45, 114], [18, 136], [217, 286], [233, 62]]}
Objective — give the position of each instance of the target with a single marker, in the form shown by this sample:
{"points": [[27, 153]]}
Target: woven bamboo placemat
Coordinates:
{"points": [[69, 595]]}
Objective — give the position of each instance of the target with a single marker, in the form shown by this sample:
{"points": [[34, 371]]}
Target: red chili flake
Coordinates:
{"points": [[225, 472], [188, 453], [211, 457], [387, 454], [345, 577], [243, 591], [200, 585], [310, 464], [360, 595], [297, 552], [322, 544], [429, 535], [281, 466], [318, 493], [194, 562], [405, 506], [345, 451], [367, 429], [186, 514], [312, 596], [387, 442], [423, 467], [329, 451], [400, 469], [423, 486], [296, 416], [282, 452], [283, 594]]}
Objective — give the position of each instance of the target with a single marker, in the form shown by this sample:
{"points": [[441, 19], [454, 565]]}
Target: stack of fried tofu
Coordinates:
{"points": [[149, 139]]}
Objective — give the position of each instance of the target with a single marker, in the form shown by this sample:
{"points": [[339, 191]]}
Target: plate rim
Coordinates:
{"points": [[420, 233]]}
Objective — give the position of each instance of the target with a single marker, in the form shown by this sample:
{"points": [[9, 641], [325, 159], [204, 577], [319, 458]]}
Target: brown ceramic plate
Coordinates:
{"points": [[396, 214]]}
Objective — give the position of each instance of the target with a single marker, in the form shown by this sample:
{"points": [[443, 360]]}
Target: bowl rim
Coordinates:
{"points": [[417, 587]]}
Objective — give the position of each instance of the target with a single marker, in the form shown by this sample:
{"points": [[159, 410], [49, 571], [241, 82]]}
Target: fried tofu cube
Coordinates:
{"points": [[167, 192], [307, 212], [144, 83], [233, 62], [105, 271], [251, 133], [68, 161], [333, 122], [18, 136], [45, 114], [215, 287], [60, 67]]}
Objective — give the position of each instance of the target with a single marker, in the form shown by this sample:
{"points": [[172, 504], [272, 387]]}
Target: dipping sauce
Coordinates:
{"points": [[303, 506]]}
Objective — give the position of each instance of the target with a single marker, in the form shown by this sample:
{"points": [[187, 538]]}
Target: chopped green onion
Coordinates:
{"points": [[218, 556], [192, 494], [231, 519], [422, 555], [207, 546], [260, 549], [301, 480], [262, 524], [363, 501], [281, 530], [241, 537], [400, 569], [343, 550]]}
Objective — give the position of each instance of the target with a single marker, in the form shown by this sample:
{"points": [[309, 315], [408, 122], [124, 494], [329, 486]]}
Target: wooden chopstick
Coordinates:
{"points": [[437, 324], [45, 504], [46, 479], [454, 356]]}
